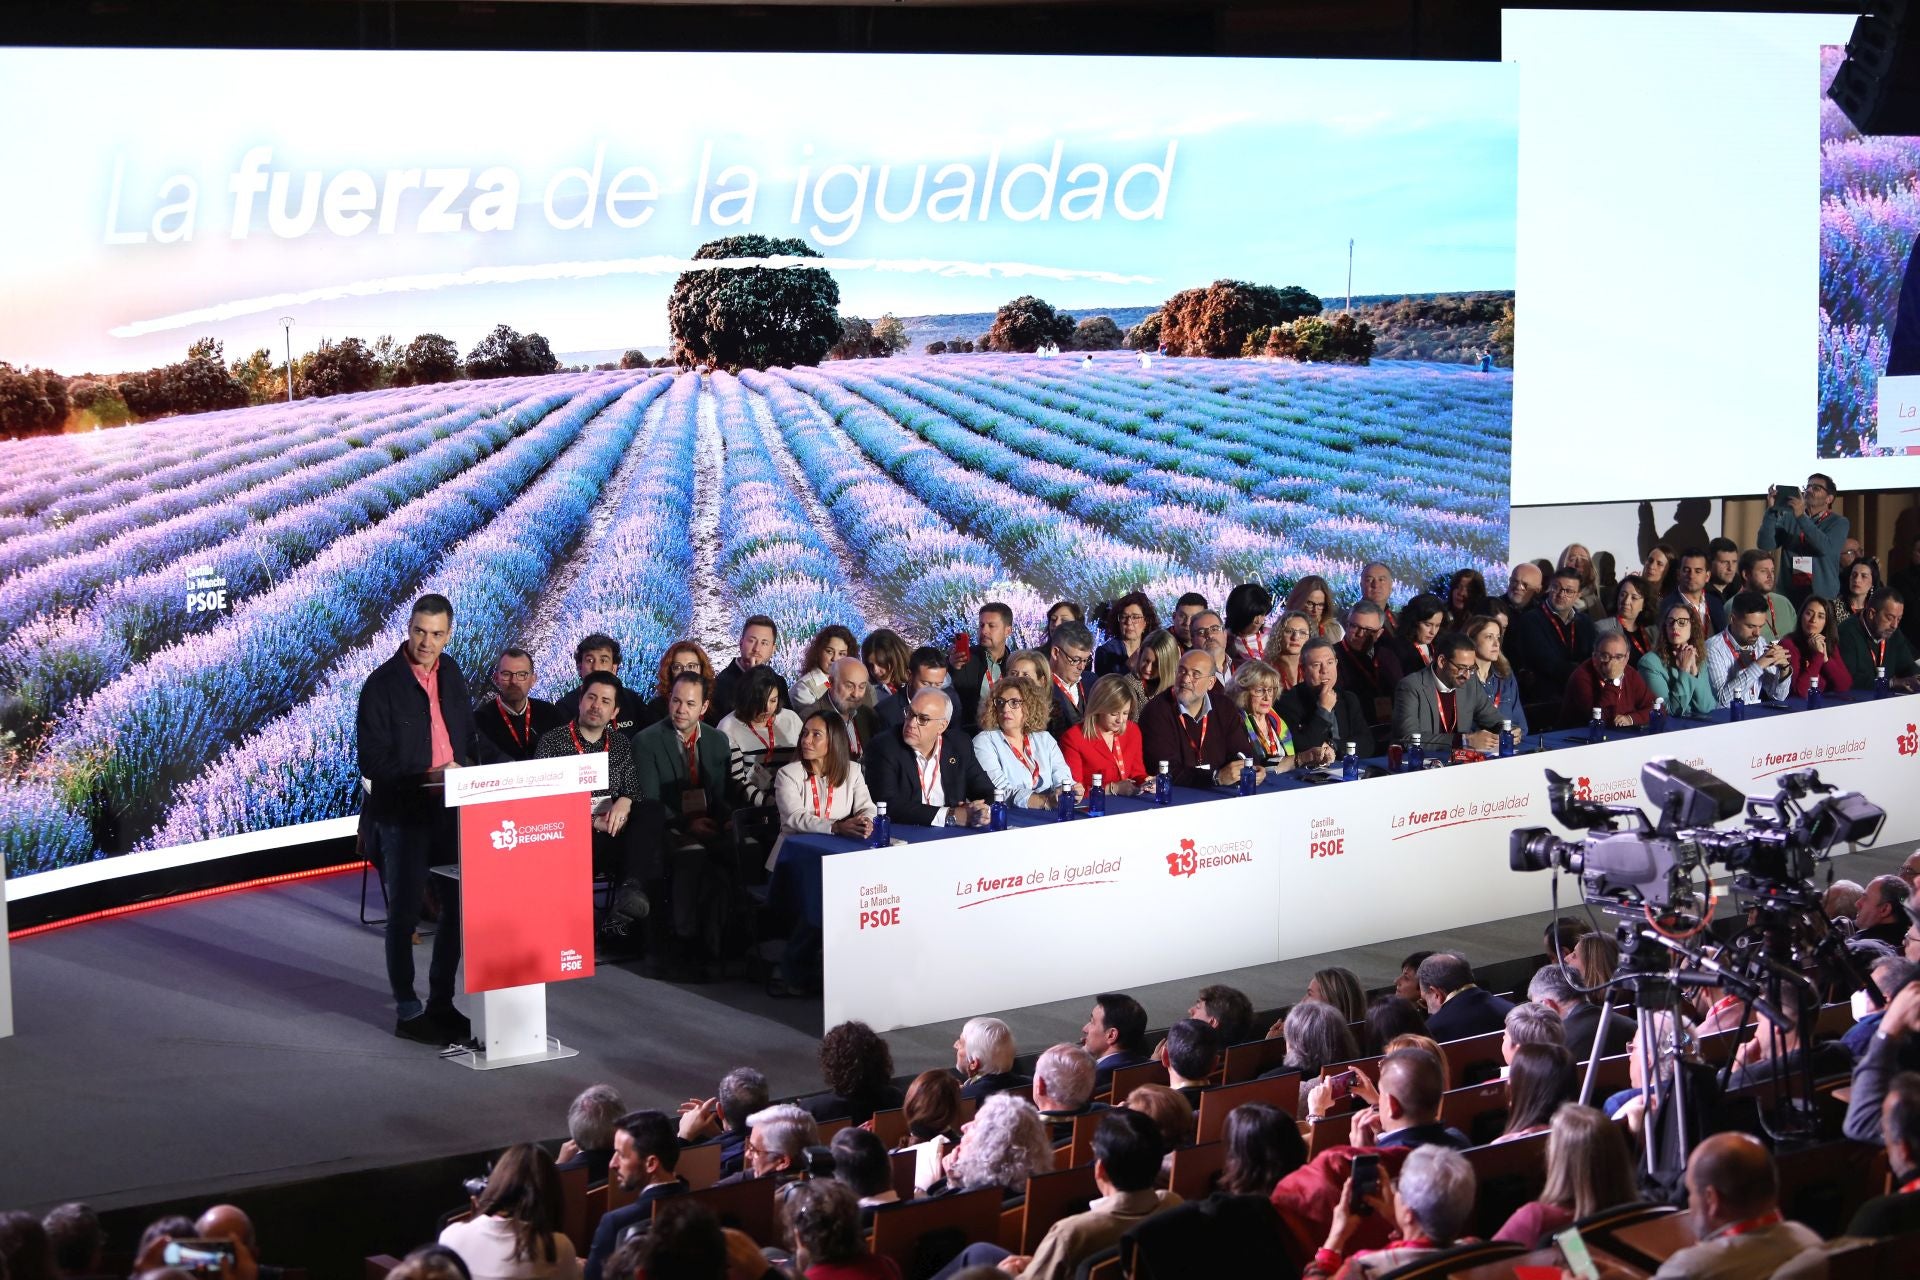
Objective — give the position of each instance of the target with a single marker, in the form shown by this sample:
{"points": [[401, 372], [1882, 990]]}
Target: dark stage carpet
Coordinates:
{"points": [[243, 1041]]}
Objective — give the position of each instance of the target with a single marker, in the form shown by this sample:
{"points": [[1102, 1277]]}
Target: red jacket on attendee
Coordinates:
{"points": [[1833, 673], [1087, 755], [1307, 1196], [1586, 690]]}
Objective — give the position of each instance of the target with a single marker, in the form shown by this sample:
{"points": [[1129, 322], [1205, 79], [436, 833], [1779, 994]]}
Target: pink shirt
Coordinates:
{"points": [[441, 744]]}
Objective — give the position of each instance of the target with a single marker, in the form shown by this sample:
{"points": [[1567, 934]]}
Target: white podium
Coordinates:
{"points": [[525, 881]]}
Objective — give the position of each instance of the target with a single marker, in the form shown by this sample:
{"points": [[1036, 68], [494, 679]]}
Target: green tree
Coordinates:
{"points": [[754, 317], [634, 358], [1315, 339], [262, 376], [889, 335], [207, 349], [338, 368], [428, 359], [387, 354], [1097, 333], [1215, 321], [1145, 336], [198, 384], [855, 341], [1025, 323], [936, 348], [505, 353], [98, 403], [1501, 340], [32, 401]]}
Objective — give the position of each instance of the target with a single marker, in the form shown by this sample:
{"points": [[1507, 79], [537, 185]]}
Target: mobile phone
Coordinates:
{"points": [[201, 1257], [1341, 1086], [1574, 1249], [1785, 493], [1366, 1182]]}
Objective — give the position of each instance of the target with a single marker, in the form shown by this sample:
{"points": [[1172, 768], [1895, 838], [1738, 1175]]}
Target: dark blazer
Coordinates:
{"points": [[1369, 676], [1889, 1215], [1300, 708], [1109, 1063], [726, 686], [614, 1225], [1065, 714], [629, 712], [831, 1106], [866, 725], [1471, 1012], [992, 1082], [393, 734], [1165, 735], [967, 681], [1582, 1026], [1541, 654], [893, 776], [661, 767], [594, 1162], [1416, 709], [1060, 1123], [1110, 657], [504, 738]]}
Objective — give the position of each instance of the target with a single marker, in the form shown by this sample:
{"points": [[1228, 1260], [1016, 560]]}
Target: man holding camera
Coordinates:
{"points": [[1811, 532]]}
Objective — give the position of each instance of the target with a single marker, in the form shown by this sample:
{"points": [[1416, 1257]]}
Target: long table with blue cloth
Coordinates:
{"points": [[795, 884]]}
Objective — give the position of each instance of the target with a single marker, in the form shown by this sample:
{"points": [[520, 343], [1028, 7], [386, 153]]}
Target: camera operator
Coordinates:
{"points": [[1812, 533], [1742, 662]]}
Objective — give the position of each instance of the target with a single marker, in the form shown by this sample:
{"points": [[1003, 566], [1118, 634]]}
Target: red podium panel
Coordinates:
{"points": [[526, 890]]}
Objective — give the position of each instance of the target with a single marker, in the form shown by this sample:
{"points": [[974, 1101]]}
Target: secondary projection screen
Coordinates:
{"points": [[471, 261]]}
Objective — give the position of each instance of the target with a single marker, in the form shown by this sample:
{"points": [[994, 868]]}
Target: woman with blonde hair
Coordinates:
{"points": [[1171, 1114], [1029, 664], [1107, 741], [1576, 557], [1589, 1169], [1155, 664], [1312, 598], [1284, 645], [1015, 748], [1255, 688]]}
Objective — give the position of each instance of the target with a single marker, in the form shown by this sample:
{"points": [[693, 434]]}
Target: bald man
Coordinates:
{"points": [[230, 1222], [925, 773], [1733, 1193]]}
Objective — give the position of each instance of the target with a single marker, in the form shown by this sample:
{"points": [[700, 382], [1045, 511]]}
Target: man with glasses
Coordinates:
{"points": [[1369, 670], [1548, 643], [1812, 534], [926, 669], [1195, 727], [511, 722], [1743, 663], [1607, 681], [926, 776], [1444, 703], [1070, 659]]}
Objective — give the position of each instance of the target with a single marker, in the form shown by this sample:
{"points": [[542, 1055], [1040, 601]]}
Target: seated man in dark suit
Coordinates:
{"points": [[1554, 987], [723, 1117], [983, 1056], [645, 1150], [1063, 1088], [1070, 659], [1322, 716], [1369, 668], [926, 669], [1547, 643], [590, 1124], [1192, 1046], [847, 698], [1115, 1036], [1195, 727], [1897, 1213], [987, 663], [1457, 1009], [685, 773], [1444, 704], [599, 652], [508, 720], [759, 638], [926, 776]]}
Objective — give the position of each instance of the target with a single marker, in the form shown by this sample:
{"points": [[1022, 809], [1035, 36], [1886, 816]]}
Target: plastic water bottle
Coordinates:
{"points": [[1657, 718], [1881, 685], [1163, 785], [1737, 709], [1506, 739], [1815, 699], [1596, 727], [1350, 767], [1097, 797], [1416, 755], [1064, 809], [1246, 776], [997, 811], [882, 827]]}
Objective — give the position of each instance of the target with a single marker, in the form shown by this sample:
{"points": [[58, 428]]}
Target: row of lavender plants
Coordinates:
{"points": [[64, 656], [637, 587], [302, 767], [44, 471], [119, 753]]}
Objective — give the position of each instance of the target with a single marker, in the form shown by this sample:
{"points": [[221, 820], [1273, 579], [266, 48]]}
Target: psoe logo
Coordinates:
{"points": [[1185, 862], [585, 777], [506, 837], [1909, 742]]}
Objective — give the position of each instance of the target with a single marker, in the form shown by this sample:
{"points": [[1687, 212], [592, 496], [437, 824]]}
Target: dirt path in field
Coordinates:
{"points": [[550, 614], [714, 625], [853, 579]]}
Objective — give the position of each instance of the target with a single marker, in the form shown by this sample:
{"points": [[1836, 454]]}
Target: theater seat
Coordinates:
{"points": [[1464, 1257]]}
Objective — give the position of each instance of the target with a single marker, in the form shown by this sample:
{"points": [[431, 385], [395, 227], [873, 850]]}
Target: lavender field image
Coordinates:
{"points": [[188, 608]]}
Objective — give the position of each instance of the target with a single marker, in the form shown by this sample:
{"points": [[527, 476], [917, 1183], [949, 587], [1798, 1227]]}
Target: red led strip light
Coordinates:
{"points": [[195, 894]]}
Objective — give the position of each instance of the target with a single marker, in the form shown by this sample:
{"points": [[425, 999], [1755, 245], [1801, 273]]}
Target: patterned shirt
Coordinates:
{"points": [[622, 778]]}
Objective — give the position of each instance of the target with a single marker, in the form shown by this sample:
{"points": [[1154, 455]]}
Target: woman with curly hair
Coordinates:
{"points": [[681, 657], [1004, 1144], [1466, 598], [1314, 598], [831, 644], [858, 1068], [1285, 643], [1015, 748]]}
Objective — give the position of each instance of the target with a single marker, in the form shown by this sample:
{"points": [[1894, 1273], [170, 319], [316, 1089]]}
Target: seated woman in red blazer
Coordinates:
{"points": [[1814, 648], [1107, 741]]}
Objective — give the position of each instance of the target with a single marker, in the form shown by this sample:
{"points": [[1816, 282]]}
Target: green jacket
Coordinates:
{"points": [[662, 768]]}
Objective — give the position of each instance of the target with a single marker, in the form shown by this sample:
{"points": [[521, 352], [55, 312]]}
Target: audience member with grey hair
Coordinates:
{"points": [[590, 1122], [1841, 899], [1556, 987], [983, 1056], [1531, 1023], [925, 770], [1317, 1035], [724, 1116], [1001, 1146], [1070, 662], [822, 1221], [777, 1142], [1429, 1204], [1063, 1088], [1457, 1008]]}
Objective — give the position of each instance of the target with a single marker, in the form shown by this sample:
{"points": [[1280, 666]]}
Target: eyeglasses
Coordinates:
{"points": [[1367, 631], [1609, 657], [1295, 633], [1070, 660], [1133, 615], [922, 719], [1013, 703], [1215, 630], [1462, 672]]}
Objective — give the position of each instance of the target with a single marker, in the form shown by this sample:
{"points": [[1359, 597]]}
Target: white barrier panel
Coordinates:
{"points": [[950, 928], [6, 972]]}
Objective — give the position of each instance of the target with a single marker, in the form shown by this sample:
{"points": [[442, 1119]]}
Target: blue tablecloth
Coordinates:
{"points": [[796, 874]]}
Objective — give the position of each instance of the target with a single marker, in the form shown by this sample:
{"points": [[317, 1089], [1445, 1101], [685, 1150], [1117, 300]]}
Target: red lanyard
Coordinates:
{"points": [[523, 735], [766, 741], [1286, 681], [1636, 646], [1566, 634], [1072, 694], [820, 811], [1732, 648], [1446, 721], [1200, 746], [1114, 750], [1751, 1224], [928, 777], [1426, 658], [692, 747], [1032, 766], [1910, 1185], [579, 747], [1880, 654]]}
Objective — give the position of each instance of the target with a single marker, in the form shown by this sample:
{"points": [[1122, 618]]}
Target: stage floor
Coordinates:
{"points": [[241, 1041]]}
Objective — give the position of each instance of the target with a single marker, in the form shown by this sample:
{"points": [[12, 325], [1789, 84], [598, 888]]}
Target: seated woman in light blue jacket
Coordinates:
{"points": [[1676, 667], [1015, 748], [1503, 687]]}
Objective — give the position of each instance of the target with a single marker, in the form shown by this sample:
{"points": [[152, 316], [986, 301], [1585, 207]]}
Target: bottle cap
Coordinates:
{"points": [[1098, 779], [1506, 726], [879, 806], [1163, 766], [1596, 713], [1350, 749]]}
